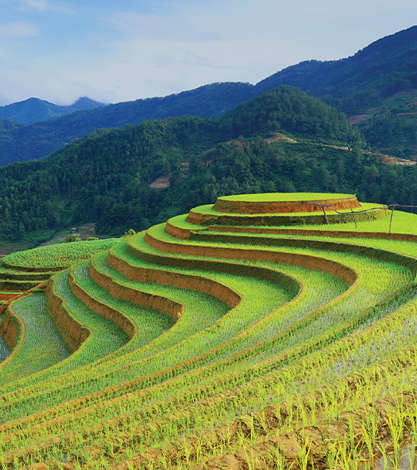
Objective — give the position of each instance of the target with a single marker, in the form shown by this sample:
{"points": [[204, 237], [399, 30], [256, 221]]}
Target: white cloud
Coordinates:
{"points": [[163, 50], [160, 26], [45, 6], [34, 4], [18, 29]]}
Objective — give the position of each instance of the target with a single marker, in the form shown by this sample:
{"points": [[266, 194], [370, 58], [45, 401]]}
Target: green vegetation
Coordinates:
{"points": [[365, 84], [286, 108], [391, 128], [6, 126], [34, 141], [361, 81], [207, 215], [57, 256], [34, 109], [224, 346], [402, 222], [41, 346], [4, 350], [89, 182], [26, 269], [269, 197]]}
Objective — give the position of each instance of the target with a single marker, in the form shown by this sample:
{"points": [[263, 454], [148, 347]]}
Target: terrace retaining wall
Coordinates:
{"points": [[198, 218], [307, 261], [144, 299], [72, 332], [10, 328], [9, 295], [262, 207], [371, 252], [177, 232], [102, 309], [314, 233], [31, 269], [178, 280]]}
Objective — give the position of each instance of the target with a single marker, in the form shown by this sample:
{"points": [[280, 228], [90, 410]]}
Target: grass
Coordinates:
{"points": [[208, 209], [149, 323], [185, 333], [42, 345], [402, 222], [57, 256], [305, 371], [278, 197], [105, 338]]}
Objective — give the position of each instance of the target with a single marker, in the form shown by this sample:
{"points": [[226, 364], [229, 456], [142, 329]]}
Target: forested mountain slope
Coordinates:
{"points": [[354, 84], [41, 138], [367, 83], [377, 87], [107, 178]]}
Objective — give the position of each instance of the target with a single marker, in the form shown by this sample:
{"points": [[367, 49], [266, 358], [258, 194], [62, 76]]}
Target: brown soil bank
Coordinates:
{"points": [[9, 295], [10, 329], [409, 262], [178, 280], [300, 232], [103, 309], [307, 261], [73, 333], [223, 204], [318, 218]]}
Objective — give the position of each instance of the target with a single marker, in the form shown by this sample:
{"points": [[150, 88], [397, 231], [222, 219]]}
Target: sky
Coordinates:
{"points": [[129, 49]]}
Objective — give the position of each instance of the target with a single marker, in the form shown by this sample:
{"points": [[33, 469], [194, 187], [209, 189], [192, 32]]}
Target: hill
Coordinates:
{"points": [[391, 127], [363, 84], [34, 109], [219, 339], [139, 175], [377, 87], [6, 127], [42, 138], [354, 84]]}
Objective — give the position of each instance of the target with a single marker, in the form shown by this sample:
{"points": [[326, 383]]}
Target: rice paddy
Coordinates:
{"points": [[208, 344]]}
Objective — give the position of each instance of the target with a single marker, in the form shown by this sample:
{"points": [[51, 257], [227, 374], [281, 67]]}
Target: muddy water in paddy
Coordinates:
{"points": [[4, 350], [407, 461]]}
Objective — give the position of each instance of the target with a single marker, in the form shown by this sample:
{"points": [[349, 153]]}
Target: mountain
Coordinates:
{"points": [[367, 87], [109, 177], [42, 138], [288, 109], [6, 126], [376, 87], [384, 68], [34, 109]]}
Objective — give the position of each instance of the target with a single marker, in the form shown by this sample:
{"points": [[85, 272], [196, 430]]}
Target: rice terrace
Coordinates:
{"points": [[264, 331]]}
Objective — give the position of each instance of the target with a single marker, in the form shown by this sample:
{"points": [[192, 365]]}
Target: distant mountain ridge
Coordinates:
{"points": [[42, 138], [34, 109], [106, 178], [353, 85], [383, 68]]}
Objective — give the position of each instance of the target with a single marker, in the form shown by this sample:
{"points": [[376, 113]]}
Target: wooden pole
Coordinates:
{"points": [[354, 218], [325, 215], [390, 220]]}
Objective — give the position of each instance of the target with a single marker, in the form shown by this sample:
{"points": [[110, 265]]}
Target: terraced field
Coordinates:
{"points": [[24, 270], [264, 331]]}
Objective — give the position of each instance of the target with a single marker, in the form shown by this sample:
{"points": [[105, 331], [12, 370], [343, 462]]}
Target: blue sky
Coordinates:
{"points": [[118, 51]]}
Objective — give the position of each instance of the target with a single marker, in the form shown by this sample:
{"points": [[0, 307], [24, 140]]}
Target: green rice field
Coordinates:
{"points": [[202, 344]]}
